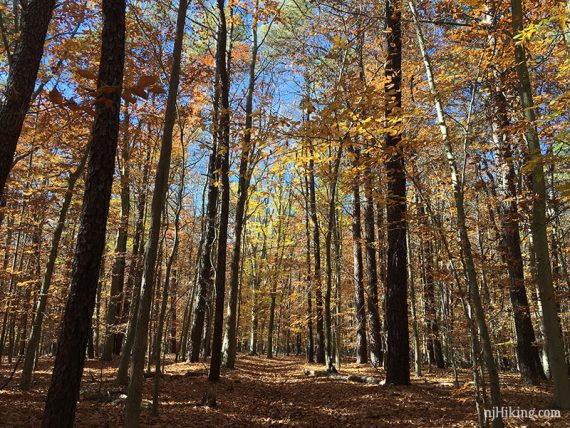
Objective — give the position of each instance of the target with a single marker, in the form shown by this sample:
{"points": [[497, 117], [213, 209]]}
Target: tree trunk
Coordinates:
{"points": [[170, 273], [63, 392], [172, 346], [254, 316], [271, 322], [6, 297], [255, 284], [97, 329], [467, 254], [554, 343], [131, 303], [320, 349], [158, 339], [16, 266], [360, 315], [397, 359], [229, 347], [189, 303], [205, 275], [224, 139], [329, 360], [375, 345], [34, 265], [309, 279], [134, 394], [527, 353], [338, 330], [33, 343], [113, 339]]}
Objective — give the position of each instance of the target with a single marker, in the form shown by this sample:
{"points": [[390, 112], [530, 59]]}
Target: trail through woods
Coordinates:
{"points": [[276, 392], [380, 181]]}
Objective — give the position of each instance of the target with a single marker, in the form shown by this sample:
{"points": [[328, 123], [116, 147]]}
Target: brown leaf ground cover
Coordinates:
{"points": [[276, 392]]}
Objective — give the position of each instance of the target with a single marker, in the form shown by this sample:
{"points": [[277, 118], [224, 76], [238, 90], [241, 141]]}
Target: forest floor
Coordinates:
{"points": [[276, 392]]}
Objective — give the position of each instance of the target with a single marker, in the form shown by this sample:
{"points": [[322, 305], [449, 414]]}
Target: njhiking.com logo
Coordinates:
{"points": [[509, 412]]}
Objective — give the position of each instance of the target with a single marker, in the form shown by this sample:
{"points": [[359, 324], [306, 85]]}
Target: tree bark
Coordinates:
{"points": [[255, 284], [320, 348], [397, 360], [63, 392], [229, 346], [358, 275], [309, 278], [554, 343], [172, 346], [375, 327], [527, 352], [415, 331], [206, 272], [134, 394], [329, 354], [224, 139]]}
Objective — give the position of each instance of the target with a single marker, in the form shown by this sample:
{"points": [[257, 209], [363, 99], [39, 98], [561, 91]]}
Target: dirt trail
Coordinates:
{"points": [[276, 392]]}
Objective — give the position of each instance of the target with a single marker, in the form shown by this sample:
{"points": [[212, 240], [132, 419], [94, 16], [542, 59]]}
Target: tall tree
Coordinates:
{"points": [[461, 219], [63, 392], [134, 395], [375, 327], [510, 246], [229, 346], [309, 277], [224, 140], [398, 341], [317, 281], [331, 229], [554, 343]]}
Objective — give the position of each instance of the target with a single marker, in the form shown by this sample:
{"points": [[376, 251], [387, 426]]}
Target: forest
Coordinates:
{"points": [[284, 212]]}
